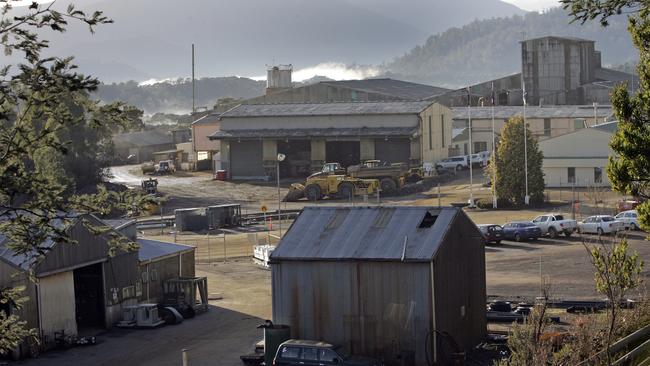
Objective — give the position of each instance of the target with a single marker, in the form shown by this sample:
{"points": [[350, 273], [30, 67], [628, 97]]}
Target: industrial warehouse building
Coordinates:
{"points": [[80, 288], [544, 122], [578, 158], [310, 134], [142, 144], [399, 283]]}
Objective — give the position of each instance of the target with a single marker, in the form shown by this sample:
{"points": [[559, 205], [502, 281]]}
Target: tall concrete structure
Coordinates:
{"points": [[278, 79], [555, 67]]}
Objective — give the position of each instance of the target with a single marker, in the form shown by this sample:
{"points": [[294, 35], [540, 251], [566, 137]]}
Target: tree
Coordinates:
{"points": [[617, 272], [629, 168], [43, 100], [509, 164]]}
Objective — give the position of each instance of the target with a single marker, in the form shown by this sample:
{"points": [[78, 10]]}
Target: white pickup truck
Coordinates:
{"points": [[553, 225]]}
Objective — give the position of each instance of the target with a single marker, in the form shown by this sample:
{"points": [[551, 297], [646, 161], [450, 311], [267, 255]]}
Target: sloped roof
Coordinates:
{"points": [[402, 89], [153, 249], [606, 74], [560, 111], [380, 233], [574, 39], [325, 109], [610, 127], [144, 138], [314, 132], [207, 119]]}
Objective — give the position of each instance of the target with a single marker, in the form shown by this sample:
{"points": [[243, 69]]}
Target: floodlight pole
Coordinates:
{"points": [[471, 171]]}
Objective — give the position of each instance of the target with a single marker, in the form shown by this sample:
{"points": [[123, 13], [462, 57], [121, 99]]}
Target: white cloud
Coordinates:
{"points": [[332, 70]]}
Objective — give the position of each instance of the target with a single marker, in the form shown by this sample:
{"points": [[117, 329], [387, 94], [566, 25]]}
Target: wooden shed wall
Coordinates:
{"points": [[11, 277], [459, 276], [121, 279], [373, 308]]}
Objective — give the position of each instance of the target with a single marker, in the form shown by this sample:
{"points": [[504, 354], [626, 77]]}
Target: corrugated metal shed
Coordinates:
{"points": [[315, 132], [154, 249], [504, 112], [325, 109], [397, 88], [365, 233]]}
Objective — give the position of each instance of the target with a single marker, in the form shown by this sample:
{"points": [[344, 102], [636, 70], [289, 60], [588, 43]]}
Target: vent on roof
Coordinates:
{"points": [[428, 220]]}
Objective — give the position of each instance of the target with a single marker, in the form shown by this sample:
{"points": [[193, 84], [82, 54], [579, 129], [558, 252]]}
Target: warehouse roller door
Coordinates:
{"points": [[246, 160], [393, 150]]}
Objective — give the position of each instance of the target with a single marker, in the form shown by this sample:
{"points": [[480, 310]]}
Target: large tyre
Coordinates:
{"points": [[414, 178], [633, 227], [388, 186], [346, 190], [313, 192], [552, 233], [459, 167], [497, 242]]}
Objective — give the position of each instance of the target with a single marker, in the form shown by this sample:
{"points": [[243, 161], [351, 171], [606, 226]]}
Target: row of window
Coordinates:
{"points": [[571, 175], [308, 354]]}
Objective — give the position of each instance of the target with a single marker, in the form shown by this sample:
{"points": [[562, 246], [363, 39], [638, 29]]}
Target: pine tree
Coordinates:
{"points": [[629, 169], [509, 164]]}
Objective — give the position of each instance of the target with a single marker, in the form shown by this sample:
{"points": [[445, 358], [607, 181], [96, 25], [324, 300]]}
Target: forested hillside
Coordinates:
{"points": [[486, 49], [176, 96]]}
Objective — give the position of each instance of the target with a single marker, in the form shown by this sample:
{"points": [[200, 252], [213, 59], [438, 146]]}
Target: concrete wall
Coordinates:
{"points": [[200, 133], [434, 142], [57, 304], [583, 150]]}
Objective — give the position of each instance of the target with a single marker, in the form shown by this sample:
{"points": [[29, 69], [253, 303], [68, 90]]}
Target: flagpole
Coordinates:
{"points": [[523, 88], [469, 118], [494, 170]]}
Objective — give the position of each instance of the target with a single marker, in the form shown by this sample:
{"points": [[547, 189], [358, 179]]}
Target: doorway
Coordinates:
{"points": [[89, 297], [344, 152], [298, 158]]}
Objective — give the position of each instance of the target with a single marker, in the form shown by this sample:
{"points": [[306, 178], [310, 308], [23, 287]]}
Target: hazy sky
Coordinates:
{"points": [[534, 4], [524, 4]]}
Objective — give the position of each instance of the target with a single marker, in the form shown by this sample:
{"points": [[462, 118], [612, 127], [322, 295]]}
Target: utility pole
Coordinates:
{"points": [[193, 86], [494, 168], [523, 94], [471, 161]]}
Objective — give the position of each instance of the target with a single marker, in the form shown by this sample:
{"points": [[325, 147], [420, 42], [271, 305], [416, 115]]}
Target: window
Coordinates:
{"points": [[480, 146], [430, 135], [291, 352], [327, 355], [598, 175], [310, 354], [442, 129], [547, 127], [571, 175]]}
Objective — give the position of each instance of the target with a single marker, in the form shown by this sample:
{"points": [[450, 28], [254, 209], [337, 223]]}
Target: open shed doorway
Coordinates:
{"points": [[298, 158], [344, 152], [89, 298]]}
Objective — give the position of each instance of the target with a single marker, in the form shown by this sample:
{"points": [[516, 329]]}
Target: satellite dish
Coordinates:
{"points": [[281, 157]]}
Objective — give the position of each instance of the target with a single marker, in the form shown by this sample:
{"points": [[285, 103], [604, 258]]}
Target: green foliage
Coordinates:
{"points": [[509, 164], [617, 272], [51, 136], [629, 168]]}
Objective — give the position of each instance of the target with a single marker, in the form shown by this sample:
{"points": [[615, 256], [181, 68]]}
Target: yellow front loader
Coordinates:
{"points": [[318, 186]]}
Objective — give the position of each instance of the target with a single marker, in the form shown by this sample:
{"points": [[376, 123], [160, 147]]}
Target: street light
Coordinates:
{"points": [[280, 158]]}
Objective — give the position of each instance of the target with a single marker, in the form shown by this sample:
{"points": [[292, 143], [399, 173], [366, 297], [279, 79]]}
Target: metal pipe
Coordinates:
{"points": [[471, 170], [185, 357]]}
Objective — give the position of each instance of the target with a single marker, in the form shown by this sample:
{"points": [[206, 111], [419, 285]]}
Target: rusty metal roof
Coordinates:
{"points": [[380, 233], [325, 109]]}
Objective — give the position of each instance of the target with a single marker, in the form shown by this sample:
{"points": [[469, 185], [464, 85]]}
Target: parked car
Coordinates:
{"points": [[552, 225], [521, 230], [456, 163], [630, 219], [165, 167], [312, 353], [600, 224], [491, 232]]}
